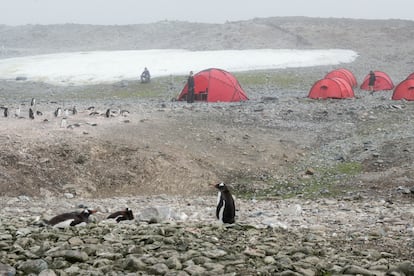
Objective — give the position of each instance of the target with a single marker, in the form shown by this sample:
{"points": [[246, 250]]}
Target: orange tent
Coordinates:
{"points": [[382, 82], [215, 85], [404, 90], [344, 74], [410, 76], [335, 88]]}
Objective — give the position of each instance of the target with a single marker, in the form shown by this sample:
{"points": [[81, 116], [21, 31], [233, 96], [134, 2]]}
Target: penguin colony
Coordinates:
{"points": [[225, 212], [59, 112]]}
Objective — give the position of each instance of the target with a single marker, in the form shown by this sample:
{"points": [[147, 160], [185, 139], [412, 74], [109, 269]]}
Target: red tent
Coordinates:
{"points": [[344, 74], [336, 88], [410, 76], [382, 82], [215, 85], [404, 90]]}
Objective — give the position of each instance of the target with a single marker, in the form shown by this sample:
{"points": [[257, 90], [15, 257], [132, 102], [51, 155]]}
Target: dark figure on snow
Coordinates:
{"points": [[145, 76], [371, 81], [190, 87]]}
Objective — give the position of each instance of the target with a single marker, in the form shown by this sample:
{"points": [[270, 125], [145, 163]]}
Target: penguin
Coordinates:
{"points": [[33, 102], [63, 122], [58, 112], [124, 112], [71, 219], [93, 113], [31, 113], [74, 111], [122, 215], [17, 112], [108, 113], [6, 112], [226, 209]]}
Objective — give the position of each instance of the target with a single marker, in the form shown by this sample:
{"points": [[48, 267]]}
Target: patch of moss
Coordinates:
{"points": [[348, 168], [325, 182], [279, 79]]}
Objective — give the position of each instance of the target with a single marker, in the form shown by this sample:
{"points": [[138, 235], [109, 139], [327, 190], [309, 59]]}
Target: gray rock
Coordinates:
{"points": [[158, 269], [73, 256], [215, 254], [289, 273], [406, 267], [195, 270], [133, 263], [33, 266], [155, 214], [7, 270], [47, 272], [357, 270], [173, 262]]}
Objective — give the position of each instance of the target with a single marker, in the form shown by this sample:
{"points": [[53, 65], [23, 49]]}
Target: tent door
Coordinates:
{"points": [[202, 96]]}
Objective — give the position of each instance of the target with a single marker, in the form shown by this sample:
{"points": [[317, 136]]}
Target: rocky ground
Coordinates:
{"points": [[322, 187]]}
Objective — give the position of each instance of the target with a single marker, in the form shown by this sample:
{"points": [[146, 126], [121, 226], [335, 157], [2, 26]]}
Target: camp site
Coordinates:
{"points": [[288, 161]]}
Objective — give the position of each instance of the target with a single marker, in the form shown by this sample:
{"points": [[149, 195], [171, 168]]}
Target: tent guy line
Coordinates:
{"points": [[82, 68]]}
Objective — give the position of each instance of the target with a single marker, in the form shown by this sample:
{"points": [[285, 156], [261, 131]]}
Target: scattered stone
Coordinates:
{"points": [[33, 266]]}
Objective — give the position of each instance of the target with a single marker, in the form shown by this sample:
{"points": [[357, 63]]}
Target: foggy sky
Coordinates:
{"points": [[121, 12]]}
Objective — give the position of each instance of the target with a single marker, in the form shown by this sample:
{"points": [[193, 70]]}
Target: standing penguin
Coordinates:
{"points": [[74, 110], [58, 112], [226, 209], [31, 113], [6, 112]]}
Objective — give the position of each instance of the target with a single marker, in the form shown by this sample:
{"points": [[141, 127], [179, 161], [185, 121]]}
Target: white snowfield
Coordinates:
{"points": [[83, 68]]}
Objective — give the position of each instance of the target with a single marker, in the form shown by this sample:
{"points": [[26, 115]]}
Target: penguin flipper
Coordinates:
{"points": [[77, 221], [219, 209]]}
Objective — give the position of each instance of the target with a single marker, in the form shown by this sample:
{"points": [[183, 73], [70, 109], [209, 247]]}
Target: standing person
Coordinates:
{"points": [[190, 87], [371, 81]]}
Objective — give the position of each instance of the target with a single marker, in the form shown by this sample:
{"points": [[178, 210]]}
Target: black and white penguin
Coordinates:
{"points": [[6, 112], [122, 215], [71, 219], [108, 113], [63, 122], [17, 112], [31, 113], [124, 112], [58, 112], [33, 102], [226, 209]]}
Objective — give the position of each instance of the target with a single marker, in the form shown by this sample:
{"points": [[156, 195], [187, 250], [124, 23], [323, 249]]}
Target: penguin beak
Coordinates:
{"points": [[93, 211]]}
